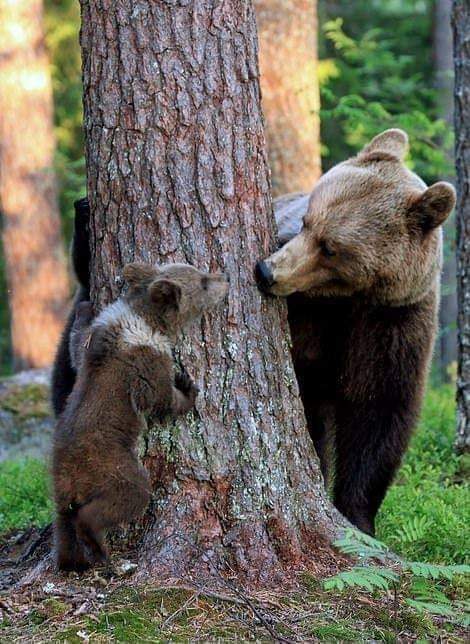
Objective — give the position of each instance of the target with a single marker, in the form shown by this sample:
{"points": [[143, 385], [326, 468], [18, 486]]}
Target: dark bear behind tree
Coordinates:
{"points": [[63, 372], [363, 278]]}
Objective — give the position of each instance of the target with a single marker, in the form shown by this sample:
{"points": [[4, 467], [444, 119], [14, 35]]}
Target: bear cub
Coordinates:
{"points": [[125, 373]]}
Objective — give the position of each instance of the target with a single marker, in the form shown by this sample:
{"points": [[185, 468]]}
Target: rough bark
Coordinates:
{"points": [[290, 94], [443, 66], [461, 27], [177, 171], [34, 256]]}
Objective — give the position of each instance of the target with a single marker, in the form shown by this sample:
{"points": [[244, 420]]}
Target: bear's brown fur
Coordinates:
{"points": [[125, 372], [362, 277]]}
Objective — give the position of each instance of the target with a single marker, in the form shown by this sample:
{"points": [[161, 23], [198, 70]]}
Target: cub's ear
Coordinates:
{"points": [[166, 294], [434, 205], [392, 142], [138, 274]]}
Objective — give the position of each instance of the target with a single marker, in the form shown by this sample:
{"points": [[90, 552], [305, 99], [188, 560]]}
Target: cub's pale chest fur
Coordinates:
{"points": [[130, 328]]}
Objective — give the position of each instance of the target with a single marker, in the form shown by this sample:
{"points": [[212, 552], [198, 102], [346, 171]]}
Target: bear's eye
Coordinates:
{"points": [[204, 283], [326, 249]]}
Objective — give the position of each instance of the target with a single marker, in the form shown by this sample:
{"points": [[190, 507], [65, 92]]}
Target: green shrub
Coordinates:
{"points": [[25, 498], [426, 514], [426, 588]]}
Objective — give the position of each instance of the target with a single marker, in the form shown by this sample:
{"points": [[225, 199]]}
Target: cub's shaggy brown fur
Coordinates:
{"points": [[125, 372], [362, 273]]}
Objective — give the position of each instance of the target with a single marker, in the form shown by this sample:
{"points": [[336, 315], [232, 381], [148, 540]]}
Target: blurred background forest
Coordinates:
{"points": [[381, 64]]}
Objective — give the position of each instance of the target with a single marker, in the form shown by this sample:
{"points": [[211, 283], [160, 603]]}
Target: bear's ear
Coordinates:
{"points": [[138, 274], [165, 294], [434, 205], [392, 142]]}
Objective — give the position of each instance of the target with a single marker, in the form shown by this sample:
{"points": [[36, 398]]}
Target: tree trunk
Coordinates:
{"points": [[443, 66], [289, 85], [461, 26], [177, 172], [34, 257]]}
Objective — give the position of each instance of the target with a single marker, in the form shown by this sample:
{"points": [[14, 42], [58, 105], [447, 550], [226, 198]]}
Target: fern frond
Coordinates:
{"points": [[434, 571], [368, 577], [354, 542], [433, 608]]}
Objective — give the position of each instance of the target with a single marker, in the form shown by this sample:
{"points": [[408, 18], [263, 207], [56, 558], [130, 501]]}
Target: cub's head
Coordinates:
{"points": [[172, 295], [371, 227]]}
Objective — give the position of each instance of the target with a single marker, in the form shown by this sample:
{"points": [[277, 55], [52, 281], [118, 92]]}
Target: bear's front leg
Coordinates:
{"points": [[371, 438]]}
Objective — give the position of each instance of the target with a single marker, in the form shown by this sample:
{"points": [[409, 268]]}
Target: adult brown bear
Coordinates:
{"points": [[362, 275]]}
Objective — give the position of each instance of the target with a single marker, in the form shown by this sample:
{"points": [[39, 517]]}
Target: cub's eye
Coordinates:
{"points": [[204, 283], [326, 249]]}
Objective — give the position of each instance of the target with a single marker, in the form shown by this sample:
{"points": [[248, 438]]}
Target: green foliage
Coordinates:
{"points": [[379, 75], [62, 21], [367, 577], [429, 598], [359, 544], [434, 571], [426, 514], [25, 498], [412, 578]]}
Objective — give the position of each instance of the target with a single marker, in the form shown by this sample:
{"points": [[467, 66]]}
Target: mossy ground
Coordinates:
{"points": [[425, 517], [26, 402], [180, 615]]}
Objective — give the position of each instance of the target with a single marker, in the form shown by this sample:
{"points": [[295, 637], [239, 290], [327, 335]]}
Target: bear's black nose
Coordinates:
{"points": [[263, 275]]}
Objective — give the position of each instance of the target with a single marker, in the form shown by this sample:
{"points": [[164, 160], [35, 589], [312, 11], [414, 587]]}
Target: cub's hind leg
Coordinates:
{"points": [[125, 498], [90, 530], [69, 550]]}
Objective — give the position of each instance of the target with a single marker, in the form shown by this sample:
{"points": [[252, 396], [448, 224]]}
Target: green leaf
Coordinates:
{"points": [[368, 577], [430, 607], [434, 571]]}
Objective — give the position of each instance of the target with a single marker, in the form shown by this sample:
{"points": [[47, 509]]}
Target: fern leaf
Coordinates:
{"points": [[431, 607], [368, 577]]}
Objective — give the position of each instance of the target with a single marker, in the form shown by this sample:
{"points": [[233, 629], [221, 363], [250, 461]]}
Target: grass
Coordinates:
{"points": [[426, 514], [25, 497]]}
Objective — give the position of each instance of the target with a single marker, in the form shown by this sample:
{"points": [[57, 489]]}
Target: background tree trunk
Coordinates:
{"points": [[34, 257], [177, 172], [461, 26], [443, 66], [290, 93]]}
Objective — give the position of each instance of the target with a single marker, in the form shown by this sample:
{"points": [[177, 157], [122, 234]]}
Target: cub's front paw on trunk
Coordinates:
{"points": [[185, 384]]}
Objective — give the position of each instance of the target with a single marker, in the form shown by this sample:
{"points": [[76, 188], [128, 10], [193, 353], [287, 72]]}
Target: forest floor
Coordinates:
{"points": [[93, 610], [425, 517]]}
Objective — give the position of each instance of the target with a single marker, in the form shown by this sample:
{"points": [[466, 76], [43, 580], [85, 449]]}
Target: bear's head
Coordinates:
{"points": [[172, 295], [372, 227]]}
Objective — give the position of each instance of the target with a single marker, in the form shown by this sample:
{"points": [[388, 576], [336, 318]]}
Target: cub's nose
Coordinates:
{"points": [[264, 277]]}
